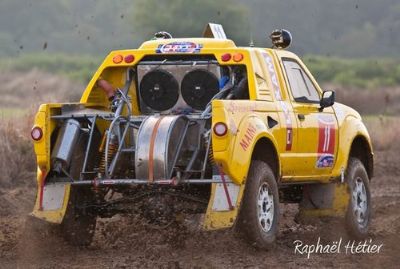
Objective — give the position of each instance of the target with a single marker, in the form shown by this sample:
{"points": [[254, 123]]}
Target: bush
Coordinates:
{"points": [[17, 159], [76, 67], [361, 73]]}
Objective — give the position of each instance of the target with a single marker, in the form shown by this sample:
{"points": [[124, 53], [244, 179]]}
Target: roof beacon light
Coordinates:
{"points": [[281, 38]]}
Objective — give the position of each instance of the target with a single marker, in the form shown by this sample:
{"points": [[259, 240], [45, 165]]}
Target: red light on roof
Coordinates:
{"points": [[226, 57], [117, 59], [237, 57], [129, 58]]}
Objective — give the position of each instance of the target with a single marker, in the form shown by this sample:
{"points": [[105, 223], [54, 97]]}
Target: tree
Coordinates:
{"points": [[188, 18]]}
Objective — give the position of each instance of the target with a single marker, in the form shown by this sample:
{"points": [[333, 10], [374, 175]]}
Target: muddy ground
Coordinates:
{"points": [[125, 242]]}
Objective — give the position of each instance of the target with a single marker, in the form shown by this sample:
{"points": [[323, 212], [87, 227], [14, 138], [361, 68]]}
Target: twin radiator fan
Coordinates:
{"points": [[177, 87]]}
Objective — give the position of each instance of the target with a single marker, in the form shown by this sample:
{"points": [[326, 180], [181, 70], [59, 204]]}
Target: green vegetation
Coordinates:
{"points": [[184, 18], [343, 28], [75, 67], [359, 73]]}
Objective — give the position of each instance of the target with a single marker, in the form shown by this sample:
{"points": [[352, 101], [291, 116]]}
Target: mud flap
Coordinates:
{"points": [[51, 202], [321, 200], [219, 214]]}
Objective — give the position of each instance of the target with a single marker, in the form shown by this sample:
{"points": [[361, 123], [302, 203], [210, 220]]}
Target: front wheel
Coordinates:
{"points": [[358, 213], [259, 213]]}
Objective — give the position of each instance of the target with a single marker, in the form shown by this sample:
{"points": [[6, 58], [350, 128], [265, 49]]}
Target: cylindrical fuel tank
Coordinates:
{"points": [[157, 146], [66, 142]]}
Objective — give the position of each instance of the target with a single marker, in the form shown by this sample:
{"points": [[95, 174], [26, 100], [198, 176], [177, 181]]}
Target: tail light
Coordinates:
{"points": [[36, 133], [220, 129]]}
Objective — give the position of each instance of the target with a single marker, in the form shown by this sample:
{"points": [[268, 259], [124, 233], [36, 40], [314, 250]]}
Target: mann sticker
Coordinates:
{"points": [[245, 142], [325, 161], [179, 47], [326, 141]]}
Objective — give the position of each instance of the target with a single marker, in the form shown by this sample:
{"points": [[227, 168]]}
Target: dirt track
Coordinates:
{"points": [[124, 242]]}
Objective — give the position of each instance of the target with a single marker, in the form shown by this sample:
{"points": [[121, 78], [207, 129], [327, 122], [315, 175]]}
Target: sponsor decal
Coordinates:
{"points": [[325, 160], [278, 97], [272, 74], [233, 107], [179, 47], [245, 142], [326, 141]]}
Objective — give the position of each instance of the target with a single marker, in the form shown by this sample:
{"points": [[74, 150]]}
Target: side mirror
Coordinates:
{"points": [[327, 99]]}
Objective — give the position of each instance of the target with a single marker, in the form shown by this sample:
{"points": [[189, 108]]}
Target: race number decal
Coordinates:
{"points": [[278, 97], [326, 141]]}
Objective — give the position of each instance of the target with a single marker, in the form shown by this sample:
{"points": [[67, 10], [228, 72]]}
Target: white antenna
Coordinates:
{"points": [[251, 43]]}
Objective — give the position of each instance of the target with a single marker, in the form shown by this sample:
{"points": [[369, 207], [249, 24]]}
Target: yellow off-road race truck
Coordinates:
{"points": [[200, 126]]}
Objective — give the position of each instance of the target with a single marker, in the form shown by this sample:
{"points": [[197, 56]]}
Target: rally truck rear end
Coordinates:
{"points": [[152, 127], [199, 126]]}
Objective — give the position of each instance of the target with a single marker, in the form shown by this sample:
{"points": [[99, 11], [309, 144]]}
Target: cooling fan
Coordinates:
{"points": [[198, 87], [159, 90]]}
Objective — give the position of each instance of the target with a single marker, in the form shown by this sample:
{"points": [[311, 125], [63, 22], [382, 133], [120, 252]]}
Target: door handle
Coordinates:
{"points": [[301, 116]]}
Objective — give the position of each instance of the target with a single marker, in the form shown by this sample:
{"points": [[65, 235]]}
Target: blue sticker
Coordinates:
{"points": [[179, 47], [325, 161]]}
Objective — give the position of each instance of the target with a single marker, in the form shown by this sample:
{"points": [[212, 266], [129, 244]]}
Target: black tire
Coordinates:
{"points": [[259, 233], [358, 215], [79, 223]]}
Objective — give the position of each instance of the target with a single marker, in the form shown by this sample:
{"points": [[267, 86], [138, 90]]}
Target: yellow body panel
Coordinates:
{"points": [[296, 142]]}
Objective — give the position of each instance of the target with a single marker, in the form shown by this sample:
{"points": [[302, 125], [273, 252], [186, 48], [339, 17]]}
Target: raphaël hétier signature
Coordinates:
{"points": [[334, 247]]}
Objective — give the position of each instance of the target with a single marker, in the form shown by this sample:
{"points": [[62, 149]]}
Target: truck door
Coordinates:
{"points": [[317, 135]]}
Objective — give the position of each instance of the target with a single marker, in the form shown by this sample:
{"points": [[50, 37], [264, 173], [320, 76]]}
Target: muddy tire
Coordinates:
{"points": [[79, 223], [358, 215], [259, 213]]}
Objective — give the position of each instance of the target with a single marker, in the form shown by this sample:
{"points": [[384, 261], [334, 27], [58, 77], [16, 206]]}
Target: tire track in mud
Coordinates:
{"points": [[126, 242]]}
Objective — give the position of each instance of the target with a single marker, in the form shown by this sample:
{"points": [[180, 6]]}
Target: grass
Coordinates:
{"points": [[75, 67], [384, 131], [17, 159], [369, 73], [10, 112]]}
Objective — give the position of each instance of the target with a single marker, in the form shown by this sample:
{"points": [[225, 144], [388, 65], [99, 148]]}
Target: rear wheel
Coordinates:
{"points": [[79, 222], [259, 213], [358, 213]]}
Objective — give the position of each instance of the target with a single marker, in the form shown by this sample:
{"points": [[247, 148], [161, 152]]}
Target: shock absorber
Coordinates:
{"points": [[112, 149], [211, 156]]}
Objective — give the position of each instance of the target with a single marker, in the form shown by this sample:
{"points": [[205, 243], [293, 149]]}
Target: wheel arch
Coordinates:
{"points": [[264, 150], [361, 149]]}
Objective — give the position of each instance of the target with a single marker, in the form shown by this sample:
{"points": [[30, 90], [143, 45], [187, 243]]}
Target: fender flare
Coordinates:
{"points": [[240, 152]]}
